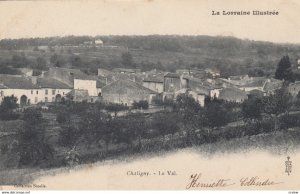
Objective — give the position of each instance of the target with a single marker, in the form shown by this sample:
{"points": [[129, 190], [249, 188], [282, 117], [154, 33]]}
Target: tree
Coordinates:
{"points": [[18, 61], [41, 63], [127, 60], [142, 104], [284, 70], [191, 115], [252, 108], [115, 108], [95, 127], [216, 114], [33, 148], [166, 123], [57, 61], [75, 61], [8, 104], [277, 104], [63, 117]]}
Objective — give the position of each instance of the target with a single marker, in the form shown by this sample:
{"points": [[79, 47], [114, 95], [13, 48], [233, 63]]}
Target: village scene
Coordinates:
{"points": [[58, 110]]}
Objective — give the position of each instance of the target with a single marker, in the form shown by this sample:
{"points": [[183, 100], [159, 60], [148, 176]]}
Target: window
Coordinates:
{"points": [[37, 92], [63, 93], [36, 99], [1, 94], [31, 91], [46, 92], [46, 99], [53, 99], [53, 92]]}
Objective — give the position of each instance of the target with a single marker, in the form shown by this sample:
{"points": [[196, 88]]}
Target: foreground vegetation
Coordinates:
{"points": [[73, 133]]}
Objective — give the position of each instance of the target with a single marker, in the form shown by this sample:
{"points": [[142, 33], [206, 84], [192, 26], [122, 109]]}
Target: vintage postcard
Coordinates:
{"points": [[150, 95]]}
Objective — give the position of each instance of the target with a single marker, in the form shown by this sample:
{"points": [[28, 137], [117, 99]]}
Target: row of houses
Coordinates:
{"points": [[125, 86]]}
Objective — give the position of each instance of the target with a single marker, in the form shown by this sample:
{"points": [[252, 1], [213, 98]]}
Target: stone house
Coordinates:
{"points": [[126, 92], [233, 95], [155, 83], [172, 82]]}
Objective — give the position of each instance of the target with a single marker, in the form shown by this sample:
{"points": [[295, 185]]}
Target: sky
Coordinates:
{"points": [[25, 19]]}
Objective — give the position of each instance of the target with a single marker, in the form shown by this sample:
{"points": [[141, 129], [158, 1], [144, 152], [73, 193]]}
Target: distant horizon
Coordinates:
{"points": [[136, 35]]}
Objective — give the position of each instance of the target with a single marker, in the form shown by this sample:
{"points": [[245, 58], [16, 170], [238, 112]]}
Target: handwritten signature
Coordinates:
{"points": [[196, 181]]}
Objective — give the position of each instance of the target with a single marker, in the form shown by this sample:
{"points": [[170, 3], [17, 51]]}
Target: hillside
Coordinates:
{"points": [[231, 55]]}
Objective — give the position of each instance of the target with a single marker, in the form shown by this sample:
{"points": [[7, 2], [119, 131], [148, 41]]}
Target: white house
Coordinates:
{"points": [[21, 87], [86, 84]]}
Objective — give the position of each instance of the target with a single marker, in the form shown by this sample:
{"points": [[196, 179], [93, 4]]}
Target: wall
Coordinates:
{"points": [[294, 89], [157, 87], [118, 92], [89, 85], [171, 84], [34, 95]]}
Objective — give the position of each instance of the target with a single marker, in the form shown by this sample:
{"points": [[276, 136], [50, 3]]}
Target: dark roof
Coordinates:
{"points": [[255, 83], [129, 83], [100, 84], [154, 78], [76, 73], [173, 75], [16, 82], [51, 83], [232, 94]]}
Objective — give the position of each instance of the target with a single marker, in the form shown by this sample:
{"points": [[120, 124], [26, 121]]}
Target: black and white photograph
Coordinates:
{"points": [[150, 95]]}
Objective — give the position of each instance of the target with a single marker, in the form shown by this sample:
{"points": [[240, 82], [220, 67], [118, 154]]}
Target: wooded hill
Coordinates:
{"points": [[231, 55]]}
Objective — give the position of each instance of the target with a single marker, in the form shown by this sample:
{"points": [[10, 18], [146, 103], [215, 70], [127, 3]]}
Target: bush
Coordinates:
{"points": [[142, 104], [62, 117]]}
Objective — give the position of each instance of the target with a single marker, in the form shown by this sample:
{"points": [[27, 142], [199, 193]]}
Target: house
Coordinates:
{"points": [[52, 90], [197, 73], [104, 72], [66, 75], [239, 77], [98, 42], [172, 82], [272, 85], [233, 95], [213, 72], [204, 87], [24, 88], [198, 96], [126, 92], [86, 84], [255, 83], [294, 88], [154, 82], [81, 96]]}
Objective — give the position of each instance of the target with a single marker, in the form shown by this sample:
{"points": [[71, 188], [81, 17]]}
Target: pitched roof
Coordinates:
{"points": [[232, 94], [272, 84], [51, 83], [173, 75], [100, 84], [16, 82], [76, 73], [154, 78], [127, 82]]}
